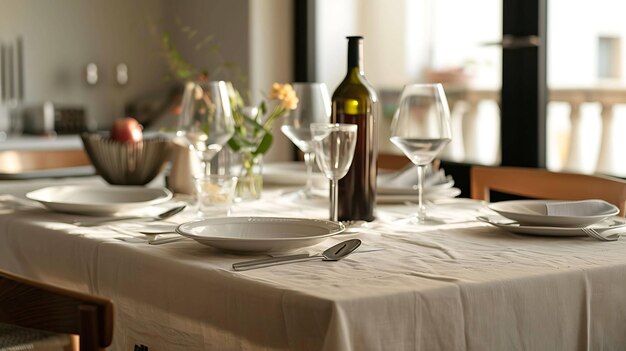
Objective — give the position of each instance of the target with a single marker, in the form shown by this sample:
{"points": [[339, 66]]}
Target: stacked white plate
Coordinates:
{"points": [[553, 217], [98, 200]]}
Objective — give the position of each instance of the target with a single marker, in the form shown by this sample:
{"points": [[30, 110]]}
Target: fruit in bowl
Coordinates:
{"points": [[126, 130], [125, 156]]}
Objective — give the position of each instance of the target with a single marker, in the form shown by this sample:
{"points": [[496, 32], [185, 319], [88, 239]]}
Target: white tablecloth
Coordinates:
{"points": [[463, 286]]}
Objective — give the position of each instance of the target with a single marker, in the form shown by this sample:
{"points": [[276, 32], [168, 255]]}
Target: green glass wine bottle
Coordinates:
{"points": [[355, 102]]}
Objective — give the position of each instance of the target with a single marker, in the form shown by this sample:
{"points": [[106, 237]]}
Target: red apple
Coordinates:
{"points": [[126, 130]]}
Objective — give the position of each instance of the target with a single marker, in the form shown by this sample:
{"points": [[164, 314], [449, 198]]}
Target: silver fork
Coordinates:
{"points": [[605, 235]]}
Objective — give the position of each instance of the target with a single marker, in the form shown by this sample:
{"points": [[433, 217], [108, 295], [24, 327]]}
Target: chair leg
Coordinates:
{"points": [[88, 331], [74, 344]]}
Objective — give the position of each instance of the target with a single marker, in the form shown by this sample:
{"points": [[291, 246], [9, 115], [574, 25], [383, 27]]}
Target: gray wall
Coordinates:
{"points": [[62, 36]]}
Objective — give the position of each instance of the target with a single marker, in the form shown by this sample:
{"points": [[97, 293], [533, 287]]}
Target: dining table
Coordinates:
{"points": [[458, 284]]}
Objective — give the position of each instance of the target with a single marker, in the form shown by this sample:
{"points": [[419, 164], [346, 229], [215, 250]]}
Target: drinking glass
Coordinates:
{"points": [[421, 129], [313, 107], [334, 146], [206, 120], [215, 194]]}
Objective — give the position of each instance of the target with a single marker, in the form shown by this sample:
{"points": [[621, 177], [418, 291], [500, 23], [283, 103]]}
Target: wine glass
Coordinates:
{"points": [[421, 129], [334, 146], [313, 107], [206, 120]]}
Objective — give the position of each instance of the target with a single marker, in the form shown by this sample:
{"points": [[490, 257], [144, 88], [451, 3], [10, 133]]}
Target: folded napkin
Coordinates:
{"points": [[407, 178], [401, 186], [579, 208]]}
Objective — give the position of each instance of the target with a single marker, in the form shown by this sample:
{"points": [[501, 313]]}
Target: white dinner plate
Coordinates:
{"points": [[533, 213], [259, 234], [98, 200], [516, 228]]}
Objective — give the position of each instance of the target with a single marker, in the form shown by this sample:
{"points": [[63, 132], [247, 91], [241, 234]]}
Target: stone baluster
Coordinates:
{"points": [[606, 163], [470, 135], [455, 151], [574, 158]]}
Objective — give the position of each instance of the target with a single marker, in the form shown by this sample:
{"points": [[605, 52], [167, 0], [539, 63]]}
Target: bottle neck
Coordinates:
{"points": [[355, 56]]}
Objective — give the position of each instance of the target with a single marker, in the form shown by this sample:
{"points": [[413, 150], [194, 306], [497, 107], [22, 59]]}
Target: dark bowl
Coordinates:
{"points": [[127, 163]]}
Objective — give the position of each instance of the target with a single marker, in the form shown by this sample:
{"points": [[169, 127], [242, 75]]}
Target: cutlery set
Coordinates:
{"points": [[155, 235], [152, 234], [333, 253]]}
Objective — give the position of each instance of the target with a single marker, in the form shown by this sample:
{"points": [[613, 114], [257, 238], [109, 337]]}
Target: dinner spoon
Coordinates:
{"points": [[333, 253], [161, 216]]}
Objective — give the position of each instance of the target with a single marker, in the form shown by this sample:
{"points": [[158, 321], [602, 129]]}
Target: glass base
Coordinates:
{"points": [[415, 221], [302, 194]]}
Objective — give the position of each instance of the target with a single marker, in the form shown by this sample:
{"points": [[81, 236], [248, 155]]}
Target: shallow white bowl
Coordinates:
{"points": [[259, 234]]}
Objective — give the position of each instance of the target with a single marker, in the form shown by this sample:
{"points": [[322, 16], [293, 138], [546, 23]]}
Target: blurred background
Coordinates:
{"points": [[88, 63]]}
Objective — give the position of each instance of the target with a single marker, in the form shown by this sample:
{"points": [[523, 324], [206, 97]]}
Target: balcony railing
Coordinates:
{"points": [[583, 126]]}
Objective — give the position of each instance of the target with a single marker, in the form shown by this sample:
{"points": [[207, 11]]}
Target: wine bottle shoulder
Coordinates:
{"points": [[355, 88]]}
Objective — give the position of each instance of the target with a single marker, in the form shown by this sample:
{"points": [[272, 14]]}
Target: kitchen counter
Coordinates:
{"points": [[34, 142]]}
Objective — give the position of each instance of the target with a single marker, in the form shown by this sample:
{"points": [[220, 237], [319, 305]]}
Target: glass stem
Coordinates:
{"points": [[207, 167], [334, 208], [309, 158], [205, 162], [421, 209]]}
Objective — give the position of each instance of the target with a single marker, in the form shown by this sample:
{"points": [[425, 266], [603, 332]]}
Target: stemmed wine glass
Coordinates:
{"points": [[334, 146], [206, 120], [313, 107], [421, 129]]}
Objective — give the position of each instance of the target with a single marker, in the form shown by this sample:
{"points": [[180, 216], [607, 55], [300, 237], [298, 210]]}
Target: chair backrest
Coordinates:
{"points": [[35, 305], [542, 184]]}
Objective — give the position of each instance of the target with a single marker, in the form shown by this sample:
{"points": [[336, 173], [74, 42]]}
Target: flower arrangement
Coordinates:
{"points": [[253, 134], [253, 126]]}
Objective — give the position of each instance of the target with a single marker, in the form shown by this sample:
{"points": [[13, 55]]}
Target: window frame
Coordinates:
{"points": [[523, 100]]}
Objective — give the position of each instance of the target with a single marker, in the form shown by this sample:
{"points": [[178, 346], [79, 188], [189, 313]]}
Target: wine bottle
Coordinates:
{"points": [[355, 102]]}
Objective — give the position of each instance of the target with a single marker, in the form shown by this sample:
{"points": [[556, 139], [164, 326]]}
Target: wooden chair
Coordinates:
{"points": [[46, 309], [542, 184]]}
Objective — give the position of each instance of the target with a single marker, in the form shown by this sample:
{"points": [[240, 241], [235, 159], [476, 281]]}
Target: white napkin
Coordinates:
{"points": [[400, 186], [407, 178], [578, 208]]}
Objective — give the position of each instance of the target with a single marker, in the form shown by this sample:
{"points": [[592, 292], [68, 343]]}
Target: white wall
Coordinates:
{"points": [[226, 22], [573, 30], [334, 21], [271, 52], [61, 37]]}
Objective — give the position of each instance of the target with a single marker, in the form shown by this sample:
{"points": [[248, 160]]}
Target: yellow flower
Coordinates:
{"points": [[285, 94]]}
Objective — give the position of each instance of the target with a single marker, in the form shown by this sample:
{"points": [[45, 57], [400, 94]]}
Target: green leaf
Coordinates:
{"points": [[253, 122], [233, 144], [262, 108], [264, 145]]}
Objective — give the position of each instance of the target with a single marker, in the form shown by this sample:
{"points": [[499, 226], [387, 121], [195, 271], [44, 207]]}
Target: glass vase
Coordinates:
{"points": [[250, 180]]}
